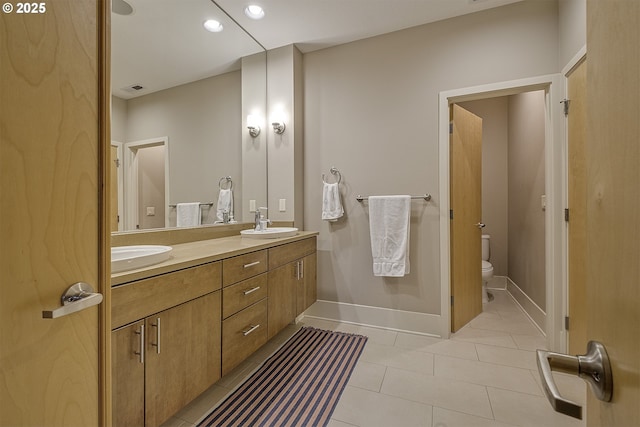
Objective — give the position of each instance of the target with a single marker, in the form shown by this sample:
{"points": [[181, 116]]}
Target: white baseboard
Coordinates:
{"points": [[377, 317], [531, 309]]}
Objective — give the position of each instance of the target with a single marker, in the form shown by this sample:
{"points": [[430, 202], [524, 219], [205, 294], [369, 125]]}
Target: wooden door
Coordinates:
{"points": [[183, 356], [466, 207], [577, 186], [127, 355], [613, 202], [53, 124]]}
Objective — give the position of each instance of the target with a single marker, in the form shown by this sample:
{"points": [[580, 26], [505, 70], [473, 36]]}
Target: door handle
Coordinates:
{"points": [[481, 225], [593, 367], [77, 297]]}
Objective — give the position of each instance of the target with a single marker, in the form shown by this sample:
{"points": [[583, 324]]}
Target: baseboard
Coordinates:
{"points": [[531, 309], [377, 317]]}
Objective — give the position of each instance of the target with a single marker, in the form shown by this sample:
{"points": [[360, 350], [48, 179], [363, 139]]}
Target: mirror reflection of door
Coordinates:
{"points": [[116, 187], [145, 184]]}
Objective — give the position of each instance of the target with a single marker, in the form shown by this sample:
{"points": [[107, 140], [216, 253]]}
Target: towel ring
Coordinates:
{"points": [[228, 180], [334, 171]]}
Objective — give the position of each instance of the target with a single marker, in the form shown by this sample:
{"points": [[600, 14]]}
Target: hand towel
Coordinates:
{"points": [[188, 214], [225, 203], [331, 204], [389, 218]]}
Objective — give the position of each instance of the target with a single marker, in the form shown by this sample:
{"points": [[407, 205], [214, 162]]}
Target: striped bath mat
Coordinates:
{"points": [[299, 385]]}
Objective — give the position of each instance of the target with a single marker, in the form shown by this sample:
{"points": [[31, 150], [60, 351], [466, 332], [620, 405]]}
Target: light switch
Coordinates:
{"points": [[283, 205], [252, 205], [543, 201], [151, 210]]}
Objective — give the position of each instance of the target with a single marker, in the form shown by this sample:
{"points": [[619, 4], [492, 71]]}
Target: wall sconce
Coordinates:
{"points": [[252, 125], [277, 122]]}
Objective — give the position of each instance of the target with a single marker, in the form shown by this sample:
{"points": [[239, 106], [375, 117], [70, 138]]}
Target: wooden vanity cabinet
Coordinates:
{"points": [[164, 359], [292, 282]]}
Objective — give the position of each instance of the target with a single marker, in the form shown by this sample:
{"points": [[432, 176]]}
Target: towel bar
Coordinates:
{"points": [[201, 204], [426, 197]]}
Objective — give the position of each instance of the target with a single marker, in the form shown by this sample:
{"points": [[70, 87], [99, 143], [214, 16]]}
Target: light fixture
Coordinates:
{"points": [[213, 26], [252, 125], [277, 121], [254, 11]]}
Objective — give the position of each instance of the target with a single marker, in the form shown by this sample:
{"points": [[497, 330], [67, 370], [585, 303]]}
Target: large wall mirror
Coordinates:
{"points": [[181, 96]]}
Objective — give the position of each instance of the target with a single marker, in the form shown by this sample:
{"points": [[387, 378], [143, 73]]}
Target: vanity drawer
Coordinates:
{"points": [[242, 334], [281, 255], [243, 294], [244, 266]]}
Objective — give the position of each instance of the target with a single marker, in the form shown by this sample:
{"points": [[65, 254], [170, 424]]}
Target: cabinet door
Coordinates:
{"points": [[183, 356], [306, 285], [282, 284], [310, 279], [127, 343]]}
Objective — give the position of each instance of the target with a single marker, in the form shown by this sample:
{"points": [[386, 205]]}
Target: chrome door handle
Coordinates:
{"points": [[77, 297], [481, 225], [593, 367]]}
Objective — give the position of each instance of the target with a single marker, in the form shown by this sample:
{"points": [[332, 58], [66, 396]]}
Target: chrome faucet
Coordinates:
{"points": [[258, 218]]}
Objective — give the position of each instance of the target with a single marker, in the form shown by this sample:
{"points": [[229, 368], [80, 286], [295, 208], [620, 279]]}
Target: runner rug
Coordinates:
{"points": [[299, 385]]}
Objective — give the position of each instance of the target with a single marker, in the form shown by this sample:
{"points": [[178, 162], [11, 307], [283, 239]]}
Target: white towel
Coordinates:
{"points": [[331, 204], [225, 203], [389, 218], [188, 214]]}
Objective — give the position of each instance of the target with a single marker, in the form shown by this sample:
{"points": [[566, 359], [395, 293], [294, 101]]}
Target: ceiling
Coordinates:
{"points": [[163, 43]]}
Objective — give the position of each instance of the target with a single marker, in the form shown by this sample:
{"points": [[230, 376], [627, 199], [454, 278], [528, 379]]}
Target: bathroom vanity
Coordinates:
{"points": [[180, 325]]}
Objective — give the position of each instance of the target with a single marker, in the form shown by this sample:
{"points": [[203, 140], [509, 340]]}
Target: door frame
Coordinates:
{"points": [[131, 178], [555, 185]]}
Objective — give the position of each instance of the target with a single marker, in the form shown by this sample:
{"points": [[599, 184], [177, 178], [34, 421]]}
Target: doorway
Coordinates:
{"points": [[513, 196], [146, 184], [553, 87]]}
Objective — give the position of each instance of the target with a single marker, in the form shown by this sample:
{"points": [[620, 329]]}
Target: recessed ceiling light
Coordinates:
{"points": [[254, 11], [213, 25]]}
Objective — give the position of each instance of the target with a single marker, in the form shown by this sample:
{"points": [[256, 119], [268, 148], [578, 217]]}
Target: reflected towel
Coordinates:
{"points": [[389, 218], [225, 203], [331, 204], [188, 214]]}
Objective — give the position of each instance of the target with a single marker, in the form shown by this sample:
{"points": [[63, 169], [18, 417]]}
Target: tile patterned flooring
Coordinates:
{"points": [[485, 375]]}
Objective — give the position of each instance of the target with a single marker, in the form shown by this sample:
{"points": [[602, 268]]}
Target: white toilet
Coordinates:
{"points": [[487, 268]]}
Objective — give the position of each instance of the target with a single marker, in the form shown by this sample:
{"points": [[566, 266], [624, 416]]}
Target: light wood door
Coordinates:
{"points": [[613, 202], [127, 350], [576, 123], [52, 131], [183, 356], [466, 206], [282, 284]]}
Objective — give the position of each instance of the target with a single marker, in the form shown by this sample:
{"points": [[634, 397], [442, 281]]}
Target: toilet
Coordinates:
{"points": [[487, 268]]}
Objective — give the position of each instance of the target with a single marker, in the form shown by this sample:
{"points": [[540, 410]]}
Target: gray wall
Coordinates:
{"points": [[572, 17], [371, 110], [526, 186]]}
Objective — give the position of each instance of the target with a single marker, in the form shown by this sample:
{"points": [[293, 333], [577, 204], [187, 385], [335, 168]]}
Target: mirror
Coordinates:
{"points": [[180, 100]]}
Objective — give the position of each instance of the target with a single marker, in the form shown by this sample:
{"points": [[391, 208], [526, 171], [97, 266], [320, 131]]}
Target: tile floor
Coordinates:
{"points": [[485, 375]]}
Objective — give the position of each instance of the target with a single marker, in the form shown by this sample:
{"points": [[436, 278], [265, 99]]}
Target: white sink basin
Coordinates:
{"points": [[270, 233], [125, 258]]}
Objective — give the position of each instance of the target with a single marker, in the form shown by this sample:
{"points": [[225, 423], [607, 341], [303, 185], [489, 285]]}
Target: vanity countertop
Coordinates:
{"points": [[185, 255]]}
